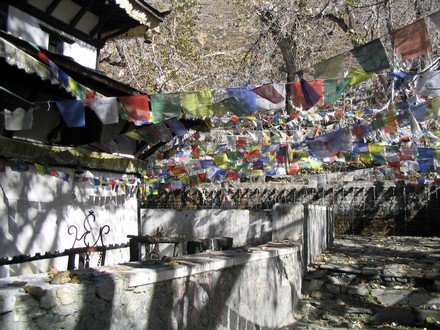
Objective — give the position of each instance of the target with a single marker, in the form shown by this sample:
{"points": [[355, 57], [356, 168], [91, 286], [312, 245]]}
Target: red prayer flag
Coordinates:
{"points": [[136, 106], [412, 41], [202, 177], [301, 100]]}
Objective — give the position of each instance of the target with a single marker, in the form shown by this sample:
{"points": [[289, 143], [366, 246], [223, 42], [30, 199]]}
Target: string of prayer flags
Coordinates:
{"points": [[65, 79], [19, 119], [246, 97], [412, 41], [333, 89], [371, 56], [195, 102], [72, 112], [106, 108], [164, 106], [137, 108], [331, 69]]}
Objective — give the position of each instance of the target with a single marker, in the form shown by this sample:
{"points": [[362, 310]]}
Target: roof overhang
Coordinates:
{"points": [[94, 21]]}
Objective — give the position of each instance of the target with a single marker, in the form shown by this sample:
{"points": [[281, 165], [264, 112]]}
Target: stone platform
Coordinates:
{"points": [[255, 287]]}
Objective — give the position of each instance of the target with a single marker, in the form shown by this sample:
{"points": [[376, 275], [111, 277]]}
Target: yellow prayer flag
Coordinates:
{"points": [[184, 179], [73, 84], [40, 168], [358, 76], [257, 173], [376, 148], [221, 159], [365, 158], [196, 103]]}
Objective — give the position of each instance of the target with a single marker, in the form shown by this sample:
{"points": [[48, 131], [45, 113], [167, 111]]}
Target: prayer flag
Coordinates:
{"points": [[372, 56], [269, 92], [245, 95], [419, 111], [137, 107], [358, 76], [165, 106], [330, 144], [307, 93], [163, 132], [19, 119], [106, 108], [415, 128], [72, 112], [176, 126], [231, 104], [331, 68], [428, 83], [412, 41], [333, 88], [312, 94], [63, 77], [195, 102], [359, 131]]}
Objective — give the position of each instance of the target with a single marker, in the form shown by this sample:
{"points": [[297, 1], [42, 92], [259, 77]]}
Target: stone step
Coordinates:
{"points": [[333, 314]]}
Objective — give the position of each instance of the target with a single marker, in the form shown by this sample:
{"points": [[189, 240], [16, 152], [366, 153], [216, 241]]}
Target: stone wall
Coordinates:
{"points": [[364, 202], [285, 221], [37, 210], [245, 288], [260, 289]]}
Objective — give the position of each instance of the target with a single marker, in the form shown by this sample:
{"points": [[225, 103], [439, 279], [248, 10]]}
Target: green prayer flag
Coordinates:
{"points": [[164, 106], [331, 68], [232, 104], [333, 88], [372, 56]]}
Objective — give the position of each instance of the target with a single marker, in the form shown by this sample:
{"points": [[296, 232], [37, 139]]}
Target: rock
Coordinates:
{"points": [[370, 271], [35, 291], [342, 268], [61, 278], [65, 296]]}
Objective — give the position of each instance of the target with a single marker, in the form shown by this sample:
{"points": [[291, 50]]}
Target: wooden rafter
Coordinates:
{"points": [[82, 12]]}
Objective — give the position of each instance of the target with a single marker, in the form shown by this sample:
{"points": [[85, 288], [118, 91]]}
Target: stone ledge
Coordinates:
{"points": [[205, 262], [144, 273]]}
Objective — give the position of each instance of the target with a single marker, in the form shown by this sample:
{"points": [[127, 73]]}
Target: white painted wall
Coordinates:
{"points": [[36, 210], [244, 226], [27, 27]]}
